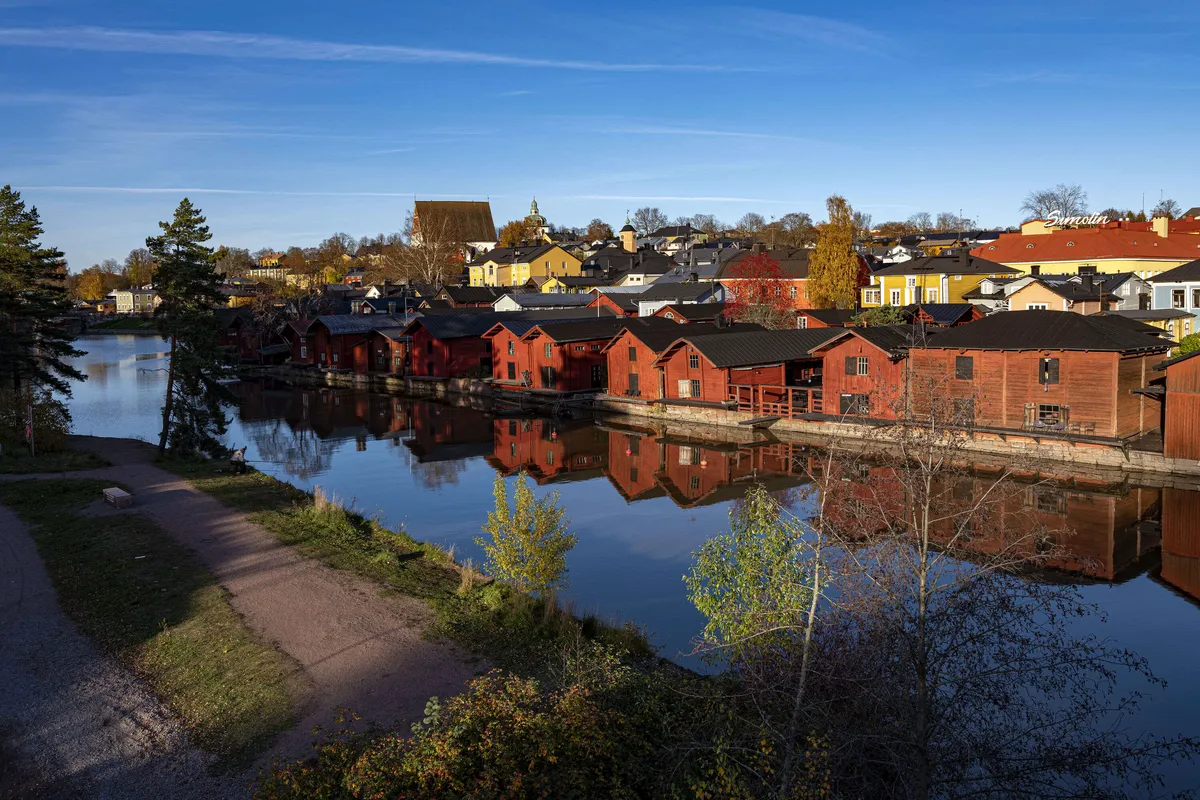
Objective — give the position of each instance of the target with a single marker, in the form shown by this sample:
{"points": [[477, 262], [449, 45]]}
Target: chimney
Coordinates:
{"points": [[391, 307], [1161, 226], [964, 256], [692, 258], [1036, 269], [1088, 285]]}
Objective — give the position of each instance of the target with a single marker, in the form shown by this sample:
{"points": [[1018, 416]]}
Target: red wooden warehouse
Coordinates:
{"points": [[864, 371]]}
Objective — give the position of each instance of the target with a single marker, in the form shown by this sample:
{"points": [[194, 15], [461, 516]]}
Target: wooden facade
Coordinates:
{"points": [[300, 338], [458, 357], [861, 379], [566, 366], [603, 301], [630, 365], [511, 360], [1062, 391], [346, 351], [1181, 417], [683, 365], [387, 351]]}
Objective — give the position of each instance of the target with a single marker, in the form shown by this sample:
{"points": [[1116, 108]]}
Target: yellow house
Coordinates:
{"points": [[933, 279], [1177, 322], [1143, 248], [514, 266], [567, 284]]}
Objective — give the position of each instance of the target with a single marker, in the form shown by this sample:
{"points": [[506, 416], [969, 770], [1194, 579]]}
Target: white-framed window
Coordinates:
{"points": [[802, 321], [792, 292], [864, 365], [894, 298], [303, 351], [335, 358], [512, 347], [685, 388], [1187, 327], [872, 296], [1177, 298], [911, 281], [693, 361], [931, 295], [1037, 307]]}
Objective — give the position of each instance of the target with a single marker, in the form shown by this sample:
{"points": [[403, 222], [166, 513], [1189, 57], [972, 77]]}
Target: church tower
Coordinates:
{"points": [[536, 221]]}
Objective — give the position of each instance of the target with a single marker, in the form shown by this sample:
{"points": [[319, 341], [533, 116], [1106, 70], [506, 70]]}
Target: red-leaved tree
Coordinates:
{"points": [[757, 291]]}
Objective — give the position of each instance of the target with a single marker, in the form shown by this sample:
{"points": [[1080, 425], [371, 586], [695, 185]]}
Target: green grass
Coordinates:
{"points": [[17, 461], [147, 600], [513, 630]]}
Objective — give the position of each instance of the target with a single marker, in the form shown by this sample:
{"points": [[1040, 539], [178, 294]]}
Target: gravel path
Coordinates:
{"points": [[356, 649], [90, 726]]}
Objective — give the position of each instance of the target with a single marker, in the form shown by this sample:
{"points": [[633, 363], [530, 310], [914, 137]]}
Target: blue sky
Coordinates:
{"points": [[286, 122]]}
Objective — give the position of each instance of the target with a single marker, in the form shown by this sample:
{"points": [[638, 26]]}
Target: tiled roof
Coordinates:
{"points": [[1085, 244], [946, 265], [1185, 273], [750, 348], [469, 220], [1045, 330]]}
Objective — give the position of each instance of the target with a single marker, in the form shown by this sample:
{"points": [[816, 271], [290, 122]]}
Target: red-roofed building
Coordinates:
{"points": [[1142, 248]]}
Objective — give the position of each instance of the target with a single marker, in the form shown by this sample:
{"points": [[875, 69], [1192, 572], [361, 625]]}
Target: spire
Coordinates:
{"points": [[533, 209]]}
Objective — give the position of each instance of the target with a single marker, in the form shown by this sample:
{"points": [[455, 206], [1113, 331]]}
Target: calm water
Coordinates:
{"points": [[640, 502]]}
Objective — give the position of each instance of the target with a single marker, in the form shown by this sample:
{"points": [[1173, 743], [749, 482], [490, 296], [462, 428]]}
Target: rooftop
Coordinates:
{"points": [[741, 348], [1046, 330], [1085, 244]]}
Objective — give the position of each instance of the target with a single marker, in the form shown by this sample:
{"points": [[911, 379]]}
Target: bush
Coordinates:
{"points": [[51, 421], [603, 733], [1188, 344]]}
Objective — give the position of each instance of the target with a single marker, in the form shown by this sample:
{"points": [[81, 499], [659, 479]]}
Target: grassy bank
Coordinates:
{"points": [[487, 617], [17, 461], [147, 600]]}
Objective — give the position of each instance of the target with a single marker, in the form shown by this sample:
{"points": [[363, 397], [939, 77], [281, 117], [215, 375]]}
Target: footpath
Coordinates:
{"points": [[355, 649]]}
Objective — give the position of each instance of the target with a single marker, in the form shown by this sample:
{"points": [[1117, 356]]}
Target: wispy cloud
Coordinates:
{"points": [[1032, 76], [391, 150], [818, 30], [659, 130], [664, 198], [249, 45], [515, 93]]}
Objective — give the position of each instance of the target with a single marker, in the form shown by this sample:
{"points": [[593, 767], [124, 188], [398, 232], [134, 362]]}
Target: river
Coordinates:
{"points": [[640, 502]]}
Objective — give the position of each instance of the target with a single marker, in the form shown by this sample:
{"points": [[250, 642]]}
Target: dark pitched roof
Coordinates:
{"points": [[354, 323], [678, 292], [478, 294], [1131, 322], [944, 313], [586, 330], [1146, 314], [793, 262], [695, 311], [1185, 272], [1045, 330], [551, 300], [949, 264], [659, 337], [830, 316], [895, 340], [750, 348], [675, 230], [1075, 292], [457, 326], [468, 220], [1177, 359]]}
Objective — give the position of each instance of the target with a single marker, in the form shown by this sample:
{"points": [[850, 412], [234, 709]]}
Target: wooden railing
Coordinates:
{"points": [[776, 401]]}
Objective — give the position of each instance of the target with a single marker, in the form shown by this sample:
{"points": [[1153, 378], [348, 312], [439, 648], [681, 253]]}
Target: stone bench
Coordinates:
{"points": [[118, 498]]}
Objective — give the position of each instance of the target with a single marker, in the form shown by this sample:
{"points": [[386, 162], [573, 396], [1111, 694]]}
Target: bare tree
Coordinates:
{"points": [[139, 267], [949, 221], [647, 220], [922, 221], [751, 224], [232, 261], [434, 254], [598, 229], [900, 624], [708, 223], [862, 224], [1167, 208], [1068, 200]]}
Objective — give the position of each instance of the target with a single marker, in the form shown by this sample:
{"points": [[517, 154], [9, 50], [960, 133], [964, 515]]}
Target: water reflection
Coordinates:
{"points": [[1108, 532]]}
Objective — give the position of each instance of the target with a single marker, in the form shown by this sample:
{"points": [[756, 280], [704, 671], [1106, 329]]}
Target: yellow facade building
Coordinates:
{"points": [[514, 266], [933, 279]]}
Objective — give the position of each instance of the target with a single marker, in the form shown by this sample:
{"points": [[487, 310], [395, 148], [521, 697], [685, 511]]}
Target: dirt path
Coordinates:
{"points": [[357, 650], [90, 726]]}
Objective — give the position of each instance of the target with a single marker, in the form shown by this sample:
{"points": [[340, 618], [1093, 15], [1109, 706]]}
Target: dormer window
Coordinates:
{"points": [[1070, 244], [1030, 246]]}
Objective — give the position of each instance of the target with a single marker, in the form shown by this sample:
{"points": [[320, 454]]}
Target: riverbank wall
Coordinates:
{"points": [[1060, 456]]}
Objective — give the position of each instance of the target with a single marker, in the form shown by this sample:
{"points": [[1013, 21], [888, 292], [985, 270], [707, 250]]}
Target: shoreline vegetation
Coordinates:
{"points": [[147, 601], [144, 325]]}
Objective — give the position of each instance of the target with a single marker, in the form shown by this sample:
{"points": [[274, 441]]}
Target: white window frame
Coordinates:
{"points": [[1037, 306], [303, 351], [894, 297], [684, 388], [864, 365]]}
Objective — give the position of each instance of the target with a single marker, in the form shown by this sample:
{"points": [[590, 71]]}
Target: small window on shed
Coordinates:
{"points": [[633, 354], [964, 368], [693, 361], [548, 350]]}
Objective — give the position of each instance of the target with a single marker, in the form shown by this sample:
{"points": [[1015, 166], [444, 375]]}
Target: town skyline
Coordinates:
{"points": [[288, 129]]}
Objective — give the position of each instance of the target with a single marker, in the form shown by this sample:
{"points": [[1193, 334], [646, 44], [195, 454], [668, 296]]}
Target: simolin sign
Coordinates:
{"points": [[1055, 220]]}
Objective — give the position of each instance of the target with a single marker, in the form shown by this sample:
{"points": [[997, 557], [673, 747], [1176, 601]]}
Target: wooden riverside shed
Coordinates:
{"points": [[865, 369], [764, 371], [569, 356], [1181, 401], [1045, 371], [631, 353], [512, 356]]}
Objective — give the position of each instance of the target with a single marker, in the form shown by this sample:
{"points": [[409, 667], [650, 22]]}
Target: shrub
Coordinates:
{"points": [[51, 421]]}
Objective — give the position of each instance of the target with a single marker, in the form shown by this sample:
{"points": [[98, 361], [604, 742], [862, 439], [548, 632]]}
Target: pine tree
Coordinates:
{"points": [[187, 283], [833, 267], [33, 292]]}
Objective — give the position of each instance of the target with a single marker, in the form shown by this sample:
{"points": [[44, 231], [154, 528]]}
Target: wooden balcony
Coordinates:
{"points": [[786, 402]]}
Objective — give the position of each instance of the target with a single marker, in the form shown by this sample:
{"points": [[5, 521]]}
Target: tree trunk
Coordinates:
{"points": [[167, 406]]}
